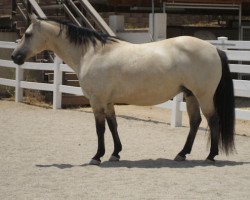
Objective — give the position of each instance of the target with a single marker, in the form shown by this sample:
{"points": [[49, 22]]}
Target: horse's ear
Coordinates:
{"points": [[33, 18]]}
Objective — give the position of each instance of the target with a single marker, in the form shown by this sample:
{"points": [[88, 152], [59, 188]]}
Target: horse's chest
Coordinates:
{"points": [[86, 90]]}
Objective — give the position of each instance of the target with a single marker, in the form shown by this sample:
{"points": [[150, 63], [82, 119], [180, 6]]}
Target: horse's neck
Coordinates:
{"points": [[70, 53]]}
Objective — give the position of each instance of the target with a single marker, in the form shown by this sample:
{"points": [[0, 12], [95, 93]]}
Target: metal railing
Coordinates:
{"points": [[30, 7], [76, 15]]}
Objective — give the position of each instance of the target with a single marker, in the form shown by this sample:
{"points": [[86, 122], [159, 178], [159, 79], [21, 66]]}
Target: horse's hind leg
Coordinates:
{"points": [[112, 123], [213, 123], [194, 121], [208, 109]]}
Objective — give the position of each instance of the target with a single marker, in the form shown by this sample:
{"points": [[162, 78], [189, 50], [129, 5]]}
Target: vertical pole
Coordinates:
{"points": [[164, 7], [13, 13], [13, 7], [57, 95], [19, 90], [240, 15], [242, 32], [176, 115], [29, 10], [165, 12], [153, 20]]}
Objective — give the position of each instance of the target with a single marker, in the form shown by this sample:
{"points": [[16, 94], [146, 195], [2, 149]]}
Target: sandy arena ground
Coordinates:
{"points": [[44, 154]]}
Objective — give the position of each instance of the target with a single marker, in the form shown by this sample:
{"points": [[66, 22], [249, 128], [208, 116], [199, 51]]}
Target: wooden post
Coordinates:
{"points": [[19, 90], [13, 7], [176, 115], [57, 95], [222, 41]]}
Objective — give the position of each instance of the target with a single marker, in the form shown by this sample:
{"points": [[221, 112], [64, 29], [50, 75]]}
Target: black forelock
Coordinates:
{"points": [[80, 35]]}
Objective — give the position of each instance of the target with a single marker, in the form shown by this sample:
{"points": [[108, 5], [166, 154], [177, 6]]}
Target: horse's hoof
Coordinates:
{"points": [[94, 162], [180, 158], [114, 158]]}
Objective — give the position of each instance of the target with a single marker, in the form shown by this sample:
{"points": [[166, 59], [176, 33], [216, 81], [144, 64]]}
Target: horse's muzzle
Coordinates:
{"points": [[18, 59]]}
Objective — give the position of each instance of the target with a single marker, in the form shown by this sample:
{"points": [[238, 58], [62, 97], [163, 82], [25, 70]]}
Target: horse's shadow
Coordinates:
{"points": [[167, 163], [149, 163]]}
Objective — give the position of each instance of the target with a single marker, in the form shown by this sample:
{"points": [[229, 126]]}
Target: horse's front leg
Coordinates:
{"points": [[100, 129], [112, 123]]}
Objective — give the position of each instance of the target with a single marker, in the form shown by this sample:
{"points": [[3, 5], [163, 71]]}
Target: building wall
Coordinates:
{"points": [[193, 25], [159, 2], [131, 20], [5, 7]]}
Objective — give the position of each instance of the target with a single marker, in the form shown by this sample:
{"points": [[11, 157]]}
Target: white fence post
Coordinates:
{"points": [[176, 115], [157, 26], [57, 95], [116, 23], [19, 78], [222, 41]]}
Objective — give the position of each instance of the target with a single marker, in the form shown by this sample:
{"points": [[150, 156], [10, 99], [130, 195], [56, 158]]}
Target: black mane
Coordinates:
{"points": [[79, 35]]}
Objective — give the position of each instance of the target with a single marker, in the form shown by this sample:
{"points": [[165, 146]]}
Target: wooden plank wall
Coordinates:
{"points": [[5, 7]]}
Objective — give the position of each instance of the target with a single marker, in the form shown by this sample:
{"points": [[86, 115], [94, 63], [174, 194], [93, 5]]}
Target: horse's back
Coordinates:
{"points": [[176, 63]]}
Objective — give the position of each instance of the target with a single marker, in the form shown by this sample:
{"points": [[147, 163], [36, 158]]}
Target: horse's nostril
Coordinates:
{"points": [[19, 56]]}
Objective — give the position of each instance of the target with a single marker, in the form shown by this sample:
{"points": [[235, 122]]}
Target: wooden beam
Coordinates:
{"points": [[79, 13], [37, 9], [95, 15], [71, 16]]}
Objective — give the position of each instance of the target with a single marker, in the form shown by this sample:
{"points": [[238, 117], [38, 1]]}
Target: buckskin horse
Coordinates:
{"points": [[114, 71]]}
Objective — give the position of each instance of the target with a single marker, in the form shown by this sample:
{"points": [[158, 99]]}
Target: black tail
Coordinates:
{"points": [[225, 106]]}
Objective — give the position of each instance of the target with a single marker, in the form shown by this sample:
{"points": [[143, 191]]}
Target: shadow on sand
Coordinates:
{"points": [[136, 119], [166, 163], [149, 121], [159, 163]]}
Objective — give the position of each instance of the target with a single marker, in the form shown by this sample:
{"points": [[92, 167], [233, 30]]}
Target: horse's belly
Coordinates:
{"points": [[146, 96]]}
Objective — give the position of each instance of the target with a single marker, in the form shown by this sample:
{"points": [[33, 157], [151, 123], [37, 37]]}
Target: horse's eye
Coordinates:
{"points": [[28, 35]]}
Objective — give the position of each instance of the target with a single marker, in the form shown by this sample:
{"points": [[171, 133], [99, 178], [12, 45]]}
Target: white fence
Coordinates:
{"points": [[57, 88], [236, 51]]}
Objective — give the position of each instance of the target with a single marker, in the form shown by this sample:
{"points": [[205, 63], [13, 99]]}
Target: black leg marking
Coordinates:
{"points": [[100, 129], [113, 128], [213, 123], [112, 123], [194, 121]]}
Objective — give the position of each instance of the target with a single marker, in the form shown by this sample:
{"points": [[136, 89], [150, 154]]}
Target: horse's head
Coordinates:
{"points": [[32, 42]]}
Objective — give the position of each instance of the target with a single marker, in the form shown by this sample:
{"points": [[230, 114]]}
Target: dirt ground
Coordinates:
{"points": [[44, 154]]}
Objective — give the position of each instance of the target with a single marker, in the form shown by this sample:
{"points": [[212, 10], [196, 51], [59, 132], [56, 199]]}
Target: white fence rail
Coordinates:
{"points": [[236, 51]]}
